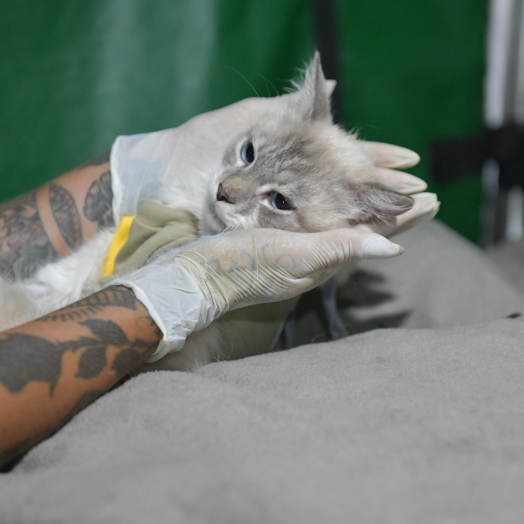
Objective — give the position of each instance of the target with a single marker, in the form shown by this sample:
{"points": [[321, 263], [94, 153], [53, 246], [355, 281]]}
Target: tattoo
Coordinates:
{"points": [[45, 364], [66, 214], [93, 360], [24, 244], [105, 356], [98, 206], [127, 360], [99, 160], [87, 307]]}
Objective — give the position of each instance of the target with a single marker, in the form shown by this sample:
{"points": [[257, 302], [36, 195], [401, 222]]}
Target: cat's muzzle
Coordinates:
{"points": [[222, 196]]}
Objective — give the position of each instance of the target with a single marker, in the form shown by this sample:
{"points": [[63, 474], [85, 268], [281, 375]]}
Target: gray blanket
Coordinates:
{"points": [[419, 423]]}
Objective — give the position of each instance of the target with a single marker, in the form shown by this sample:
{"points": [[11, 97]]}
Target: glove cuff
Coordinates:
{"points": [[175, 302], [137, 170]]}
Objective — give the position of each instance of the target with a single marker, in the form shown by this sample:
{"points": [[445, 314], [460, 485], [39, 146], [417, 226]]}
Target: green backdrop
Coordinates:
{"points": [[74, 75]]}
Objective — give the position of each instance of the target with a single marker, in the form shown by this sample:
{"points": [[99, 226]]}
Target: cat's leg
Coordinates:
{"points": [[336, 326], [288, 330]]}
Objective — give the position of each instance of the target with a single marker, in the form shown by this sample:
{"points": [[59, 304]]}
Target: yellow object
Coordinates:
{"points": [[119, 239]]}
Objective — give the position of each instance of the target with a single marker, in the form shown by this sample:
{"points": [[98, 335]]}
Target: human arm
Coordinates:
{"points": [[51, 221], [55, 366]]}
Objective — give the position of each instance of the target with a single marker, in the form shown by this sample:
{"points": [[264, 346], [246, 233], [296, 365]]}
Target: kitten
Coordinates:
{"points": [[294, 170], [298, 171]]}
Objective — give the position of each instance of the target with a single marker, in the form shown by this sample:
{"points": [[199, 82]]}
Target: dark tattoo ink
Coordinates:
{"points": [[43, 365], [45, 362], [107, 331], [99, 160], [126, 361], [87, 307], [92, 361], [110, 333], [98, 205], [24, 244], [66, 214]]}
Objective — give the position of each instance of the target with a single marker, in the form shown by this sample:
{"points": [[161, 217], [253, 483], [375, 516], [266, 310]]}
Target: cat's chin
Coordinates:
{"points": [[212, 221]]}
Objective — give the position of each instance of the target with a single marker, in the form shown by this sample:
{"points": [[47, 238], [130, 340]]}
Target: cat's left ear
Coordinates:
{"points": [[315, 92], [379, 204]]}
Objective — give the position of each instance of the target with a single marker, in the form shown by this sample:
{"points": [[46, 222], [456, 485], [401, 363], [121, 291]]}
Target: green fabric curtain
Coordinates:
{"points": [[74, 75]]}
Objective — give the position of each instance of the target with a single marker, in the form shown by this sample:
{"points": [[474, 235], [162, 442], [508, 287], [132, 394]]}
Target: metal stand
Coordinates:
{"points": [[502, 212]]}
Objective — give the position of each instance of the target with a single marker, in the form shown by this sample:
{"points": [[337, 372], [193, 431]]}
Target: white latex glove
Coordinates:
{"points": [[142, 164], [186, 289], [387, 158]]}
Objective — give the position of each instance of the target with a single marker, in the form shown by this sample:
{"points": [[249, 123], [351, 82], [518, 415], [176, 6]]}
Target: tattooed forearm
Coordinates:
{"points": [[43, 225], [24, 244], [54, 366]]}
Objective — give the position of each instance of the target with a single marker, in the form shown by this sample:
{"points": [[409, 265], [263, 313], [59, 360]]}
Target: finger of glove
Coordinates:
{"points": [[426, 206], [311, 250], [334, 248], [400, 182], [285, 269], [389, 155]]}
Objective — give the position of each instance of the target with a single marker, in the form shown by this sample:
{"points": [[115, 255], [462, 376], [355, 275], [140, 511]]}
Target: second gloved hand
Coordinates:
{"points": [[187, 288]]}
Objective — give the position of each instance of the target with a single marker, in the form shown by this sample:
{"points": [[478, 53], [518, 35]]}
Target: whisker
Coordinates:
{"points": [[241, 75], [272, 85]]}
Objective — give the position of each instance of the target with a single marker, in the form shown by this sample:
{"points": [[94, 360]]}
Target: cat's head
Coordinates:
{"points": [[298, 171]]}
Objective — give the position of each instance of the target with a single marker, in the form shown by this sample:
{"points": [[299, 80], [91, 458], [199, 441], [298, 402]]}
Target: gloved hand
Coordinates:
{"points": [[187, 288], [141, 165], [388, 158]]}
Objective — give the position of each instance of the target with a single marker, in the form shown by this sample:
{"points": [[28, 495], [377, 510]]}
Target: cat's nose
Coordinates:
{"points": [[222, 196]]}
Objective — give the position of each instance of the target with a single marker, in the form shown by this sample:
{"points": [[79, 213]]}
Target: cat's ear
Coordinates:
{"points": [[379, 204], [315, 92]]}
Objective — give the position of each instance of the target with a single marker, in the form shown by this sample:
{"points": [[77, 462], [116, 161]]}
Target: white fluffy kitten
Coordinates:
{"points": [[293, 170]]}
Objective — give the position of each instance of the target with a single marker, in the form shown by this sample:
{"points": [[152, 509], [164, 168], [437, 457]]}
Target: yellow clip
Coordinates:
{"points": [[119, 239]]}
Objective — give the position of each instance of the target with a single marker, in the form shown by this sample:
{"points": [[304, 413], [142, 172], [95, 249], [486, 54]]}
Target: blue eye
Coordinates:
{"points": [[278, 201], [247, 153]]}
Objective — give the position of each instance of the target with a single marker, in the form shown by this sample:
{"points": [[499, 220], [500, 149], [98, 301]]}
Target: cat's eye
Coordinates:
{"points": [[247, 153], [278, 201]]}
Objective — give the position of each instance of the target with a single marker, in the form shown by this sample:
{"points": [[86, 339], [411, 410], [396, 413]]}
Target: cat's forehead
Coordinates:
{"points": [[288, 150], [323, 148], [281, 143]]}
